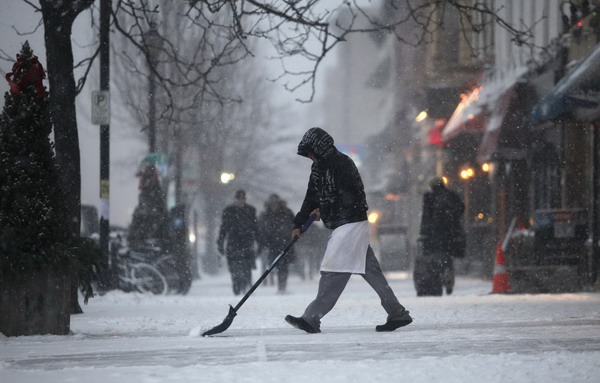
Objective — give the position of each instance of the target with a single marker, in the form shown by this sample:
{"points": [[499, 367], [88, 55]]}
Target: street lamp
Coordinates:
{"points": [[373, 217], [421, 116], [153, 43], [467, 173], [227, 177]]}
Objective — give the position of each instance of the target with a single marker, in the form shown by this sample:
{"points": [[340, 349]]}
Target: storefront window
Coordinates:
{"points": [[546, 177]]}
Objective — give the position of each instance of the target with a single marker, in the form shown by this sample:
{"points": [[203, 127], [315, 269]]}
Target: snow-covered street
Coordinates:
{"points": [[471, 336]]}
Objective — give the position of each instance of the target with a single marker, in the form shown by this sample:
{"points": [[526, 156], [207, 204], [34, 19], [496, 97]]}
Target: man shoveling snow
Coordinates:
{"points": [[336, 194]]}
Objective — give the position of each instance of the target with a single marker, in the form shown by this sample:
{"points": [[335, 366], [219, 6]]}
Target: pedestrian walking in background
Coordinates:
{"points": [[442, 238], [275, 224], [237, 237], [336, 194]]}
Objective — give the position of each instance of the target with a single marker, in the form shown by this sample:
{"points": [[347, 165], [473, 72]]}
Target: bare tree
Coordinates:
{"points": [[220, 122], [310, 29]]}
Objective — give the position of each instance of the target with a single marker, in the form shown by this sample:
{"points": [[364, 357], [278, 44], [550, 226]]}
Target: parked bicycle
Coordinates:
{"points": [[132, 271], [136, 274], [176, 273], [145, 268]]}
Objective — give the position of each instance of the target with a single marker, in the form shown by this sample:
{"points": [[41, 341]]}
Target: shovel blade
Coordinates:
{"points": [[223, 326]]}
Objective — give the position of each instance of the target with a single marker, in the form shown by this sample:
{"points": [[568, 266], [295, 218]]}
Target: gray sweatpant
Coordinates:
{"points": [[332, 285]]}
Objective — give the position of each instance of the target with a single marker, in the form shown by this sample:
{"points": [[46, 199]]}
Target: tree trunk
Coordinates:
{"points": [[38, 303], [58, 22], [59, 57]]}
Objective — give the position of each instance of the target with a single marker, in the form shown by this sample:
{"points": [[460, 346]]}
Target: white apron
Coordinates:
{"points": [[347, 249]]}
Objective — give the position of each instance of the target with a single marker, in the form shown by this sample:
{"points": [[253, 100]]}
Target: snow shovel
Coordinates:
{"points": [[233, 310]]}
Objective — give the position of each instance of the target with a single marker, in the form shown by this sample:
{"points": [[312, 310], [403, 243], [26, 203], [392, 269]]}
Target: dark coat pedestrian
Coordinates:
{"points": [[442, 237], [275, 225], [237, 236], [336, 194]]}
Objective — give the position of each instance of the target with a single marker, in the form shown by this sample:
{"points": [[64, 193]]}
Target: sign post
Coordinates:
{"points": [[101, 116]]}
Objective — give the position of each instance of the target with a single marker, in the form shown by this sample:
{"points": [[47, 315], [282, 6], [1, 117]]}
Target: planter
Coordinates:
{"points": [[35, 304]]}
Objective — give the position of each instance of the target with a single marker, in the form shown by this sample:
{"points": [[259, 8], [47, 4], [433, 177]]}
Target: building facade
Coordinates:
{"points": [[533, 196]]}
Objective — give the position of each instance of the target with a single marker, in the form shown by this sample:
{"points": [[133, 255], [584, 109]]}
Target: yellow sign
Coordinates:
{"points": [[104, 188]]}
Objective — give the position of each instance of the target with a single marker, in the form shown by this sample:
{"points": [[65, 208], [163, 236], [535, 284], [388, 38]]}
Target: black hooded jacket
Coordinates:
{"points": [[441, 220], [334, 187]]}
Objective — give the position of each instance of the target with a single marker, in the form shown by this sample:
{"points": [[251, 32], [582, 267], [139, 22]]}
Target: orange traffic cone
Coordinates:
{"points": [[501, 284]]}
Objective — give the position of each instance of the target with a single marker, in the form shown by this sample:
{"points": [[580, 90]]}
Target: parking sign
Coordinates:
{"points": [[100, 107]]}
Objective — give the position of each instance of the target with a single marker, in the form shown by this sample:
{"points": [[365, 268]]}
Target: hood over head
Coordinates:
{"points": [[318, 142]]}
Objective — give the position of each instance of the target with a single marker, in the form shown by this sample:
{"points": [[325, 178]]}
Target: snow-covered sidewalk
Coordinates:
{"points": [[471, 336]]}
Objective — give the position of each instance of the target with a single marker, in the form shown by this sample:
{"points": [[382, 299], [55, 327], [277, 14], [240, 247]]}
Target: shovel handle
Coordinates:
{"points": [[309, 221]]}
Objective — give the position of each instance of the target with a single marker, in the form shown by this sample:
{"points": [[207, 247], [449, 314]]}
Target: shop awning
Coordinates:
{"points": [[577, 95], [467, 117], [480, 108], [489, 143]]}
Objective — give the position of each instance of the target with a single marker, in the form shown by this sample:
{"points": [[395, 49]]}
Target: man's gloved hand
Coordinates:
{"points": [[298, 231]]}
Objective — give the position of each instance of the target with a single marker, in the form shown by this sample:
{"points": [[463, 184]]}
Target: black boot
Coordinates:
{"points": [[392, 325], [301, 324]]}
